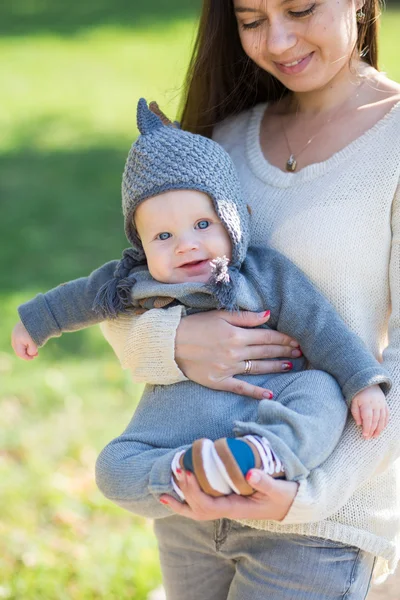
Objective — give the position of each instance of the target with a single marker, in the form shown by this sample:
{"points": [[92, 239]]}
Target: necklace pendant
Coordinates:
{"points": [[291, 163]]}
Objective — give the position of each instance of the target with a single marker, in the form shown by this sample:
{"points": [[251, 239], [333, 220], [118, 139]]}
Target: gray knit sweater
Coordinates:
{"points": [[266, 278]]}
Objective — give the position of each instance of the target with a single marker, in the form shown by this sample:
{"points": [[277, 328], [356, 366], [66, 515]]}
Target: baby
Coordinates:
{"points": [[188, 227]]}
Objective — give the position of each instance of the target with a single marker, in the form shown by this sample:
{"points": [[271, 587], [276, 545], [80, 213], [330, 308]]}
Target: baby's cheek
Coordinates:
{"points": [[160, 269]]}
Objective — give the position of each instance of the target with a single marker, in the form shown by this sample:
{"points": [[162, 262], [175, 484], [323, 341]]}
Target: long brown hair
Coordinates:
{"points": [[222, 80]]}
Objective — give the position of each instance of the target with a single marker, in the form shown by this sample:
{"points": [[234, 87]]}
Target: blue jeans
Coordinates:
{"points": [[222, 560]]}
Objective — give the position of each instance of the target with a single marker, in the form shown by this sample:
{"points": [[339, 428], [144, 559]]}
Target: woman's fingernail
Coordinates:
{"points": [[294, 344], [267, 313], [296, 353], [287, 366], [268, 395], [163, 501], [179, 474], [188, 474], [253, 477]]}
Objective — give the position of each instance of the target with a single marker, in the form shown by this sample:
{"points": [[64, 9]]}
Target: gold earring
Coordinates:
{"points": [[360, 15]]}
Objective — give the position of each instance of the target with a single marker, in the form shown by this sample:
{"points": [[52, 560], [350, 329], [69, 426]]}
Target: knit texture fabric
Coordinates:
{"points": [[339, 221], [162, 159], [136, 342], [165, 158]]}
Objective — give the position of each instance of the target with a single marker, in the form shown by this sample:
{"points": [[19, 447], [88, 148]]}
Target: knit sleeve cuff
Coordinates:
{"points": [[302, 509], [365, 379], [149, 350], [38, 320], [160, 476]]}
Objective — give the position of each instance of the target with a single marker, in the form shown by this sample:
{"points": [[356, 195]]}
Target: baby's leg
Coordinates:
{"points": [[303, 423], [134, 474], [293, 434]]}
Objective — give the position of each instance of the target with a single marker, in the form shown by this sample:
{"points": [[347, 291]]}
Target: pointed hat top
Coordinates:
{"points": [[147, 121]]}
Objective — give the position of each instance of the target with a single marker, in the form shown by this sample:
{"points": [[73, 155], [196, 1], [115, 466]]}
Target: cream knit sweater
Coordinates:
{"points": [[339, 221]]}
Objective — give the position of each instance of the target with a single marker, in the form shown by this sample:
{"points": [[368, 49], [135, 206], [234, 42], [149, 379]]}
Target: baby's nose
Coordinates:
{"points": [[186, 244]]}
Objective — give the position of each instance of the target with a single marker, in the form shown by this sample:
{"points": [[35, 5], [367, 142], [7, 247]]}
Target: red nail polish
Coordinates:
{"points": [[179, 471], [188, 473], [163, 501], [287, 366], [267, 313], [248, 476]]}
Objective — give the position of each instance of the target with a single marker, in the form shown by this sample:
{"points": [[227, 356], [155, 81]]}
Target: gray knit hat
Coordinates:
{"points": [[165, 158]]}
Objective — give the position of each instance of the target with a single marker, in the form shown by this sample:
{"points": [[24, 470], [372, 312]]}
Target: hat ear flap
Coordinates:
{"points": [[147, 121], [114, 296]]}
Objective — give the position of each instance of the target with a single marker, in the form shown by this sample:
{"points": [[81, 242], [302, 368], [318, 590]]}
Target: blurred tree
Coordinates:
{"points": [[57, 16]]}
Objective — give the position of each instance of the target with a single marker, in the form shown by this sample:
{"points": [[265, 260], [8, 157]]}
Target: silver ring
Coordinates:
{"points": [[247, 367]]}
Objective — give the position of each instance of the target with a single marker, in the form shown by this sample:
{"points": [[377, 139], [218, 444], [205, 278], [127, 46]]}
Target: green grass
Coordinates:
{"points": [[70, 80]]}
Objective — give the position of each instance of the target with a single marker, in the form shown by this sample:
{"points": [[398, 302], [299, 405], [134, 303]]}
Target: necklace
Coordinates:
{"points": [[291, 163]]}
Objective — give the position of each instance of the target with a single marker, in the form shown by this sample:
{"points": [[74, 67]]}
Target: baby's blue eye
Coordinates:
{"points": [[164, 235], [203, 224]]}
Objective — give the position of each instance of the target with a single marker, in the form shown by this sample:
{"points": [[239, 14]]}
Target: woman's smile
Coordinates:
{"points": [[295, 66]]}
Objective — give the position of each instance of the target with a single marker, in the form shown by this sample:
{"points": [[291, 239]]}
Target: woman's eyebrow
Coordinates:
{"points": [[243, 9]]}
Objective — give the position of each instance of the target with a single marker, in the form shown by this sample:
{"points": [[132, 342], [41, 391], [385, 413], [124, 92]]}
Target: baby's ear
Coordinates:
{"points": [[134, 225], [248, 209], [153, 106]]}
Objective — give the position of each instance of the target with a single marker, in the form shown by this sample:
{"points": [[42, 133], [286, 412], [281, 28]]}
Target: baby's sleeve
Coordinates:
{"points": [[68, 307], [300, 310]]}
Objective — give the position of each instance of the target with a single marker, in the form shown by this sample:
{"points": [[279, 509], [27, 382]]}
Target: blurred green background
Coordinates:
{"points": [[70, 77]]}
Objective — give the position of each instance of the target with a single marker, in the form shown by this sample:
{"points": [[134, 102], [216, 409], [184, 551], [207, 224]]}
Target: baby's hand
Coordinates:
{"points": [[370, 410], [22, 343]]}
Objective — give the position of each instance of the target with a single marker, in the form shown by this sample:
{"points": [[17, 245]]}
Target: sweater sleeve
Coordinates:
{"points": [[355, 460], [299, 309], [145, 344], [67, 307]]}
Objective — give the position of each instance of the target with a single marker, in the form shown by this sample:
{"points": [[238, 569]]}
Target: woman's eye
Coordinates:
{"points": [[163, 236], [203, 224], [303, 13], [253, 25]]}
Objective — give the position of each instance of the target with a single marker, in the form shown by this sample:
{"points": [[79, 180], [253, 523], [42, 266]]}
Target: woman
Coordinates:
{"points": [[291, 89]]}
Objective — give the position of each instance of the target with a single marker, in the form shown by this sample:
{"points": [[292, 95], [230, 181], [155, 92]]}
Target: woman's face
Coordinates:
{"points": [[303, 43]]}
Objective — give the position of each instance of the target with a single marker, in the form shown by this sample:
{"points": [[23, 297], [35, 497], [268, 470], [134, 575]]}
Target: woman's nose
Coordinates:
{"points": [[280, 39]]}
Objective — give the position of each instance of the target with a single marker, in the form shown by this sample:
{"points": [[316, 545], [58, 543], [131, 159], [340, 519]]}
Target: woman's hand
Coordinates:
{"points": [[271, 501], [212, 347]]}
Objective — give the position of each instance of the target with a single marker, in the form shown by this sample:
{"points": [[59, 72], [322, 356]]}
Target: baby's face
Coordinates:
{"points": [[181, 233]]}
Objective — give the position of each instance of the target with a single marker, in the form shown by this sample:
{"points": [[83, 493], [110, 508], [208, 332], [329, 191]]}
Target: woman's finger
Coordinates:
{"points": [[246, 318], [177, 507], [261, 367], [242, 388], [202, 507], [263, 337], [280, 492], [272, 500], [269, 351]]}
